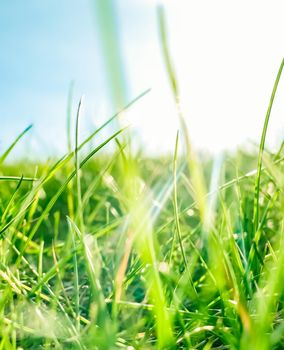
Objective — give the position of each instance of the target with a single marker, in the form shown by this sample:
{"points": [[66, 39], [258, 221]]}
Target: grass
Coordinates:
{"points": [[105, 248], [110, 250]]}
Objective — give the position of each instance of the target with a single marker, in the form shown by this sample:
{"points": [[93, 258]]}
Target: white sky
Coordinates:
{"points": [[226, 54]]}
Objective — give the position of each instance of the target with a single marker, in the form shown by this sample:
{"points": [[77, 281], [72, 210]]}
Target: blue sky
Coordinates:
{"points": [[44, 45], [226, 55]]}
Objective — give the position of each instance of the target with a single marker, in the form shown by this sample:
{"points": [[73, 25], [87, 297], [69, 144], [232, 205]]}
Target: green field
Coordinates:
{"points": [[106, 248]]}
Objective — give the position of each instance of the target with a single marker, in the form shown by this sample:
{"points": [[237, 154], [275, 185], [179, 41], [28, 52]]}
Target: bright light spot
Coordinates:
{"points": [[190, 212], [164, 267]]}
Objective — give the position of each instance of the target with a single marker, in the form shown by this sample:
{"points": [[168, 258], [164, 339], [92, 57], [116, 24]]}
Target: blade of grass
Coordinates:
{"points": [[77, 168], [7, 152], [178, 229], [17, 178], [193, 163], [261, 149]]}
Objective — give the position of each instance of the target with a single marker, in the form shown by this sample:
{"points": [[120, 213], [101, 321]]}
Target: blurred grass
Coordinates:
{"points": [[129, 267], [115, 249]]}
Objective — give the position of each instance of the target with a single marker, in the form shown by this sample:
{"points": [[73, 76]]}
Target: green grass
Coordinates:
{"points": [[109, 250], [106, 248]]}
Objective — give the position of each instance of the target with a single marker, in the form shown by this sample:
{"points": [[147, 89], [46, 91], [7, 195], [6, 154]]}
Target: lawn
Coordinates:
{"points": [[106, 247]]}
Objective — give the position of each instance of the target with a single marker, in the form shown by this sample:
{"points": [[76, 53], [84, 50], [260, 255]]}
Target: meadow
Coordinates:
{"points": [[106, 247], [112, 249]]}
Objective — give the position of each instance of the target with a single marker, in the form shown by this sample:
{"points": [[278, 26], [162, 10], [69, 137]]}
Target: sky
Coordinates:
{"points": [[226, 55]]}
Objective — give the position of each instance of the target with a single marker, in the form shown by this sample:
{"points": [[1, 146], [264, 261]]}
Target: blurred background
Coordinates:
{"points": [[226, 55]]}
